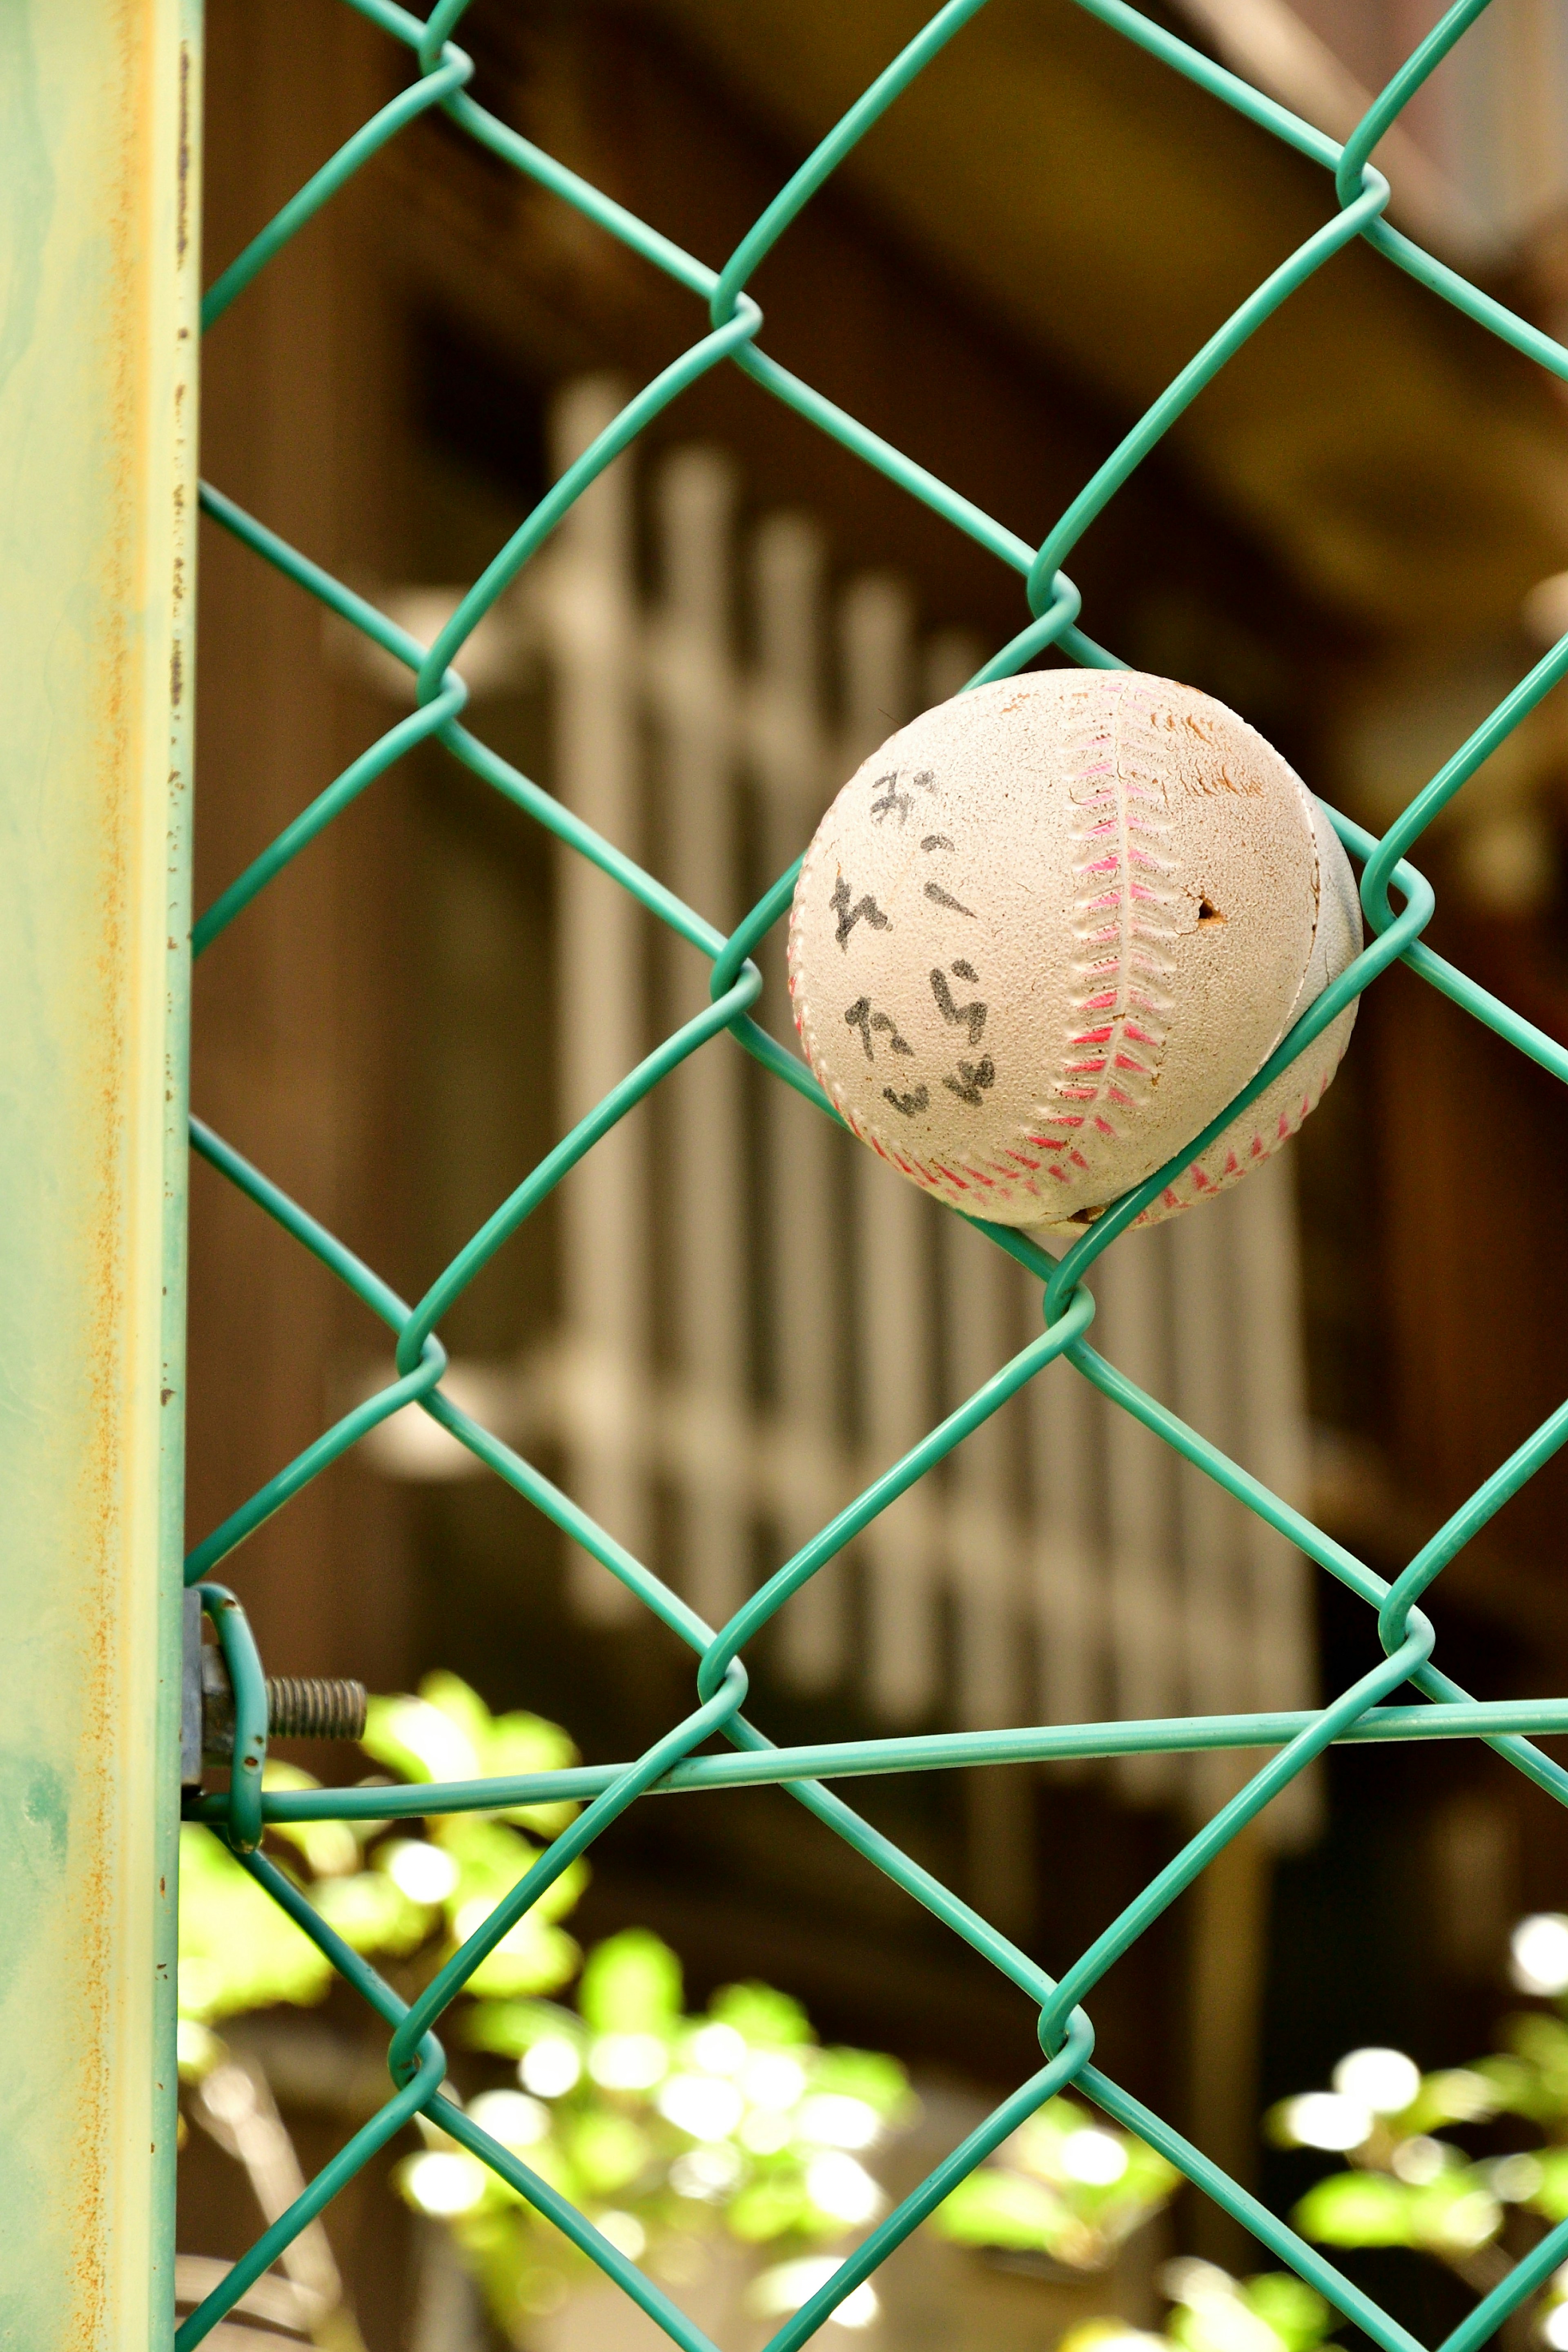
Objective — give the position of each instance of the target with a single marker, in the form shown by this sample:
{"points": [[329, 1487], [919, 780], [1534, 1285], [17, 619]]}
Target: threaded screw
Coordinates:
{"points": [[314, 1706]]}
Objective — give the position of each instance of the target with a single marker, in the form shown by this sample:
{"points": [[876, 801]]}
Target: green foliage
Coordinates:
{"points": [[1408, 2186], [661, 2127], [761, 2015], [386, 1893], [1066, 2185], [508, 2029], [1293, 2311], [238, 1950], [1212, 2312], [447, 1733], [998, 2206], [631, 1985], [372, 1912], [1452, 2214]]}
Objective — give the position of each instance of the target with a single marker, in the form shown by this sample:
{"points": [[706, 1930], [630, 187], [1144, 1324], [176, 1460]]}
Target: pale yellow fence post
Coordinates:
{"points": [[98, 158]]}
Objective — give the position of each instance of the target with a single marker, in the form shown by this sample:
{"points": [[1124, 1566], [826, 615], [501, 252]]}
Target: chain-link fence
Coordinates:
{"points": [[735, 324]]}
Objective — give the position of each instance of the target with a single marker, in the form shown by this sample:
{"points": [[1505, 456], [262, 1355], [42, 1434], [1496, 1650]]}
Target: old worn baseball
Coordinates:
{"points": [[1049, 930]]}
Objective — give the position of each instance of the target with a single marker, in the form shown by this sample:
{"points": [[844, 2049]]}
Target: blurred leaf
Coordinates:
{"points": [[532, 1957], [462, 1707], [772, 2206], [1093, 2333], [866, 2075], [1456, 2094], [1552, 2198], [372, 1912], [419, 1741], [1357, 2209], [994, 2207], [1533, 2081], [489, 1856], [1455, 2213], [238, 1950], [1149, 2176], [526, 1743], [631, 1984], [1297, 2313], [1037, 2144], [510, 2027], [1513, 2088], [330, 1849], [606, 2151], [763, 2017]]}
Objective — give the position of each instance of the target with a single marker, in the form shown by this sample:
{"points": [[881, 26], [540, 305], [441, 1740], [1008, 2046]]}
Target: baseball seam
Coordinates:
{"points": [[1124, 916]]}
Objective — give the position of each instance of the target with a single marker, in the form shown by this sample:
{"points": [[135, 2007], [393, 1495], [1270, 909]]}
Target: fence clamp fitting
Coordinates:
{"points": [[299, 1707]]}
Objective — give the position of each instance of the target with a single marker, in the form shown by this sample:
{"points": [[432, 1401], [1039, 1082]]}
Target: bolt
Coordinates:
{"points": [[312, 1706], [299, 1707]]}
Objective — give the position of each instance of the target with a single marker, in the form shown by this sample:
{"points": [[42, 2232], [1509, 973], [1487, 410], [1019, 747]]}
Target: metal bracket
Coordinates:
{"points": [[299, 1707]]}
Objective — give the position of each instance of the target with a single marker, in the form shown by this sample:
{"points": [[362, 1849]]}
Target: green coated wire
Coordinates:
{"points": [[941, 1751], [242, 1803], [1362, 1713]]}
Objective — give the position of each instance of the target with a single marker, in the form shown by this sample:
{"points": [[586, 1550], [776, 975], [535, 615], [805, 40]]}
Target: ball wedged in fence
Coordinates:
{"points": [[1051, 927]]}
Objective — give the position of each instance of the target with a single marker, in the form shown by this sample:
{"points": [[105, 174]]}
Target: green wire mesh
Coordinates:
{"points": [[414, 2057]]}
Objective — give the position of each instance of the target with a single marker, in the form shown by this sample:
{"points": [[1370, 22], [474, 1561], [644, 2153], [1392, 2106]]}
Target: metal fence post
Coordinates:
{"points": [[98, 259]]}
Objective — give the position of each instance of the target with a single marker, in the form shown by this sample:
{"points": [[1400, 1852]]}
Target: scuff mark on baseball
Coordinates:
{"points": [[1049, 930]]}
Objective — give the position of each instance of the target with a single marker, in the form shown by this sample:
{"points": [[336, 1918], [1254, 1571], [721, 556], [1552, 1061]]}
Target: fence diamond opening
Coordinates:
{"points": [[415, 2056]]}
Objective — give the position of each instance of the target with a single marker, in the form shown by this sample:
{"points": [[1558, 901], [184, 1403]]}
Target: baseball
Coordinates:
{"points": [[1049, 930]]}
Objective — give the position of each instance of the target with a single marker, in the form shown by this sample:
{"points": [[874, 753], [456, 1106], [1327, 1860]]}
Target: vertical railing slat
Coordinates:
{"points": [[1272, 1441], [694, 694], [588, 601], [1067, 1568], [892, 1276], [805, 1158], [1213, 1633], [1141, 1595]]}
